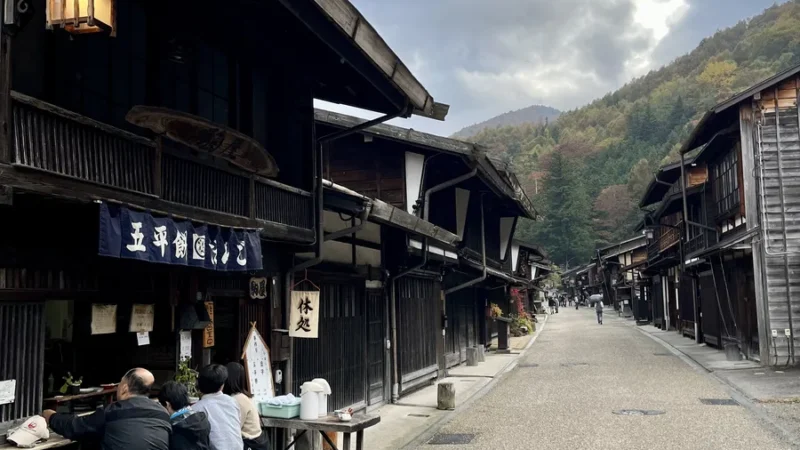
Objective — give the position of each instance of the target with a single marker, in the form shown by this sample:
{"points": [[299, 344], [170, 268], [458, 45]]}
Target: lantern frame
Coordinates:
{"points": [[80, 22]]}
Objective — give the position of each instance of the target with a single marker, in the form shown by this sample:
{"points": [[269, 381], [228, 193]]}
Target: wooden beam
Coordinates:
{"points": [[56, 186], [5, 98]]}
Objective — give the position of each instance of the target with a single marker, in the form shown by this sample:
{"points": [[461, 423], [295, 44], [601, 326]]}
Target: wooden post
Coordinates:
{"points": [[334, 437], [5, 98], [446, 396], [502, 336], [157, 167]]}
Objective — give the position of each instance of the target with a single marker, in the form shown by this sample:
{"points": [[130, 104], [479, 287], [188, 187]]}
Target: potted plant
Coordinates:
{"points": [[187, 377]]}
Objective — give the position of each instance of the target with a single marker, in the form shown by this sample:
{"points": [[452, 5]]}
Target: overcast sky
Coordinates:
{"points": [[486, 57]]}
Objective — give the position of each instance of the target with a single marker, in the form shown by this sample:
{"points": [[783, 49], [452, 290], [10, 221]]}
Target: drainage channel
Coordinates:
{"points": [[638, 412], [452, 439]]}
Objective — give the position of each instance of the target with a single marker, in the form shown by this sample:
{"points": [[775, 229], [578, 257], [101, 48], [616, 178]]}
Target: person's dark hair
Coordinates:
{"points": [[211, 378], [136, 385], [237, 380], [175, 393]]}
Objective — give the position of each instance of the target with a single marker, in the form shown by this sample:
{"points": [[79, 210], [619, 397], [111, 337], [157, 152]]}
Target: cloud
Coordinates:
{"points": [[488, 57]]}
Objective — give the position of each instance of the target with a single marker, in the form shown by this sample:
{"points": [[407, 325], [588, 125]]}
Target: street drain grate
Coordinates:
{"points": [[419, 415], [466, 381], [663, 354], [574, 364], [451, 439], [638, 412], [528, 365], [719, 401]]}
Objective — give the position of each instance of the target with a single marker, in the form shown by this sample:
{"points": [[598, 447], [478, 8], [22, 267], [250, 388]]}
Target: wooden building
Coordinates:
{"points": [[666, 245], [619, 272], [747, 264], [530, 267], [166, 172], [721, 243], [444, 216]]}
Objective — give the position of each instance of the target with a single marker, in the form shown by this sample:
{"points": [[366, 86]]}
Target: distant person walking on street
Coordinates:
{"points": [[598, 308], [551, 303]]}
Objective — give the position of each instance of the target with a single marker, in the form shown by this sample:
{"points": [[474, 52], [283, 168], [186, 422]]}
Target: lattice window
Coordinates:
{"points": [[726, 183]]}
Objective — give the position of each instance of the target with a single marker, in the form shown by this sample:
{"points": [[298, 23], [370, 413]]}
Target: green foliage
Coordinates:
{"points": [[187, 376], [620, 139], [518, 321], [566, 228]]}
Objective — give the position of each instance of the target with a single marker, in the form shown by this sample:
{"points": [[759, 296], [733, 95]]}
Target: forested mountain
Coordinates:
{"points": [[535, 114], [595, 162]]}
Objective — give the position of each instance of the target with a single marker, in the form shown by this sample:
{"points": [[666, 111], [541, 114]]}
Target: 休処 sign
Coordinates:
{"points": [[304, 315], [129, 234]]}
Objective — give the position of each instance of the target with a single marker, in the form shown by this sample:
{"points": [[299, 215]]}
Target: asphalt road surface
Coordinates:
{"points": [[566, 388]]}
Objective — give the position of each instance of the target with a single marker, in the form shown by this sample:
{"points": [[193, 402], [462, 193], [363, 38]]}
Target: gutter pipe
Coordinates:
{"points": [[392, 280]]}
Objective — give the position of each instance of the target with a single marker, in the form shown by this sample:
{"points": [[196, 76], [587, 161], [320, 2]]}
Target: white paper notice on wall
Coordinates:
{"points": [[7, 390], [304, 316], [143, 338], [186, 345], [104, 319], [142, 318]]}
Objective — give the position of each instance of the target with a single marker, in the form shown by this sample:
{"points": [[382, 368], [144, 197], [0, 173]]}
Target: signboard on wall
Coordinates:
{"points": [[258, 365], [129, 234], [258, 288], [186, 345], [208, 331], [104, 319], [142, 318], [8, 389], [304, 315]]}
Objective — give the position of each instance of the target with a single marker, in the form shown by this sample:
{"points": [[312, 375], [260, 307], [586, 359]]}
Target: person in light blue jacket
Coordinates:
{"points": [[222, 410]]}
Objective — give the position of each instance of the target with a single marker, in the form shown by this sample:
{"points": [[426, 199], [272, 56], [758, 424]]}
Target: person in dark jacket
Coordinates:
{"points": [[133, 422], [190, 428]]}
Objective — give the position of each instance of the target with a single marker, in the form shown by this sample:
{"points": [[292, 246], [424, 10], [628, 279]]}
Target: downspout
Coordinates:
{"points": [[393, 287], [319, 237]]}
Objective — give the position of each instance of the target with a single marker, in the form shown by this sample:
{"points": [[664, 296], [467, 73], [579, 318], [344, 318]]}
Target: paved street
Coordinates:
{"points": [[565, 389]]}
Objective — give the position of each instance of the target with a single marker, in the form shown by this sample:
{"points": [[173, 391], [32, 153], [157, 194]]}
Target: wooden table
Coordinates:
{"points": [[359, 423], [107, 393], [55, 441]]}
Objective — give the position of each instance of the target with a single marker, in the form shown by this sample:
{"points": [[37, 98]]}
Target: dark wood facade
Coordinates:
{"points": [[70, 138]]}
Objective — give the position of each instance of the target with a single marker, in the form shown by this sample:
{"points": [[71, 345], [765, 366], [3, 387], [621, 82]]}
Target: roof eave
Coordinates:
{"points": [[364, 36]]}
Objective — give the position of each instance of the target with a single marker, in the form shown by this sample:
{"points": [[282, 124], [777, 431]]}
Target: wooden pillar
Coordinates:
{"points": [[5, 98], [747, 136], [503, 335]]}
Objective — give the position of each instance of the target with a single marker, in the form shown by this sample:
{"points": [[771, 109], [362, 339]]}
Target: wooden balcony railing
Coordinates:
{"points": [[700, 240], [666, 237], [51, 139]]}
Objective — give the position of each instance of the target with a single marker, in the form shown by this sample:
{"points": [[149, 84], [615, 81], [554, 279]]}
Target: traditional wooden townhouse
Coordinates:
{"points": [[444, 217], [166, 175], [671, 308], [569, 282], [582, 281], [529, 265], [746, 263], [619, 272]]}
